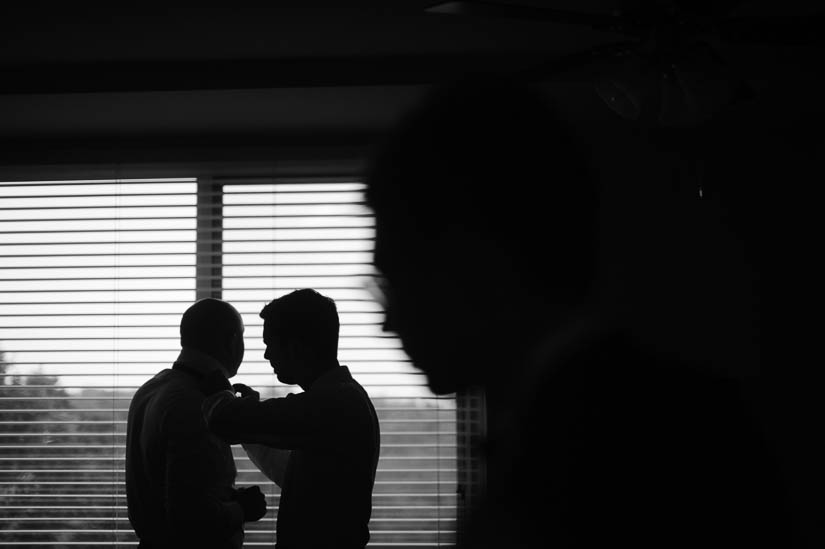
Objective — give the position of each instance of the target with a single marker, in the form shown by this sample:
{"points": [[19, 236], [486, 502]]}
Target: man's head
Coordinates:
{"points": [[485, 228], [214, 327], [301, 335]]}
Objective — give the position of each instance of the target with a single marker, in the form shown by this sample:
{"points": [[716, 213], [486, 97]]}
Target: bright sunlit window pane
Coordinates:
{"points": [[320, 235], [93, 278]]}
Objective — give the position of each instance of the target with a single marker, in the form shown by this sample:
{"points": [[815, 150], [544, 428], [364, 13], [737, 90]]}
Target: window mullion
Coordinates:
{"points": [[209, 245]]}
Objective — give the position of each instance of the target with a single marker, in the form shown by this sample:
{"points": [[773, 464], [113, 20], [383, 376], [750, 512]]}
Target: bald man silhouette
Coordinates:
{"points": [[180, 478]]}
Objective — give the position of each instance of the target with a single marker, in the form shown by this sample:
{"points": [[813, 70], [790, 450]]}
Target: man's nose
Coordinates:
{"points": [[389, 324]]}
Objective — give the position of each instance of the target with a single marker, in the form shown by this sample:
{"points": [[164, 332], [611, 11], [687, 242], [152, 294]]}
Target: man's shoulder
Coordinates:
{"points": [[617, 380], [167, 389], [614, 417], [613, 360], [344, 394], [340, 381], [163, 381], [354, 389]]}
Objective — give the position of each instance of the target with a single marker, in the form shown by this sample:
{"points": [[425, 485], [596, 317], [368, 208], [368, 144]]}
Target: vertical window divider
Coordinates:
{"points": [[209, 239]]}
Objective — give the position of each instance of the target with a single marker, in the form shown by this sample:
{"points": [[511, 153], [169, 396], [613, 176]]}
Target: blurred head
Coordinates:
{"points": [[214, 327], [485, 227], [301, 336]]}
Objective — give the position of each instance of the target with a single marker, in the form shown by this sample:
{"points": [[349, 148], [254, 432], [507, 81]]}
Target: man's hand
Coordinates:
{"points": [[213, 382], [246, 391], [252, 501]]}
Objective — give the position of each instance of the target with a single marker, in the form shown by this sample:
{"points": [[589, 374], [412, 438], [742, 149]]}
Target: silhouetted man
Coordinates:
{"points": [[487, 235], [180, 478], [330, 429]]}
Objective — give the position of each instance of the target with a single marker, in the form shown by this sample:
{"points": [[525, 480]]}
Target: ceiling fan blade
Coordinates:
{"points": [[583, 66], [773, 30], [603, 22]]}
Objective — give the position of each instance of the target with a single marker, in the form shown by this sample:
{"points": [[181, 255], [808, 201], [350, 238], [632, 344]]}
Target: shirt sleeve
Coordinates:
{"points": [[295, 421], [194, 501]]}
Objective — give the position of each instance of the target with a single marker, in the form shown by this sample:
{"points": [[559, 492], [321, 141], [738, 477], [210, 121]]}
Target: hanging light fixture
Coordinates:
{"points": [[682, 87]]}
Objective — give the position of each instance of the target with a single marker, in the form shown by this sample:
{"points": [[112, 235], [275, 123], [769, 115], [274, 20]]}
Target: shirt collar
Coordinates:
{"points": [[198, 360], [331, 376]]}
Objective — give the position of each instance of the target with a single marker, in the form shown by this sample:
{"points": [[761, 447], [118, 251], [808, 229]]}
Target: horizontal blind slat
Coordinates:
{"points": [[94, 273]]}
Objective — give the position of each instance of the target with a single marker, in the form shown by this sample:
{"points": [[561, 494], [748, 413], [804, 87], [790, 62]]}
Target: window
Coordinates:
{"points": [[94, 276]]}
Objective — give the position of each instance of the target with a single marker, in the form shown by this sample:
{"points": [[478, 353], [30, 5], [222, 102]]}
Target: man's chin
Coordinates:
{"points": [[440, 384], [442, 377]]}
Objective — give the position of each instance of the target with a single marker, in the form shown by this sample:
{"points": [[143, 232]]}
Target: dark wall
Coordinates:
{"points": [[733, 277]]}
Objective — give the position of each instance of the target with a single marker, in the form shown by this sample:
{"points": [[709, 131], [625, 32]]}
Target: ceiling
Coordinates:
{"points": [[92, 80]]}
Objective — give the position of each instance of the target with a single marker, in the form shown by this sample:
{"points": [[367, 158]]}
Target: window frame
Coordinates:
{"points": [[211, 177]]}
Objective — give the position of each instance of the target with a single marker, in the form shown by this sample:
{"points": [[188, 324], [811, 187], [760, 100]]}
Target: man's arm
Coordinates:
{"points": [[195, 498], [290, 422]]}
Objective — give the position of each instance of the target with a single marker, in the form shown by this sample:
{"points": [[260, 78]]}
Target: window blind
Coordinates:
{"points": [[278, 237], [94, 276]]}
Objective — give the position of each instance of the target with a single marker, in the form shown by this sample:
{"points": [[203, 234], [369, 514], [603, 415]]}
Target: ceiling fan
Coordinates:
{"points": [[668, 71]]}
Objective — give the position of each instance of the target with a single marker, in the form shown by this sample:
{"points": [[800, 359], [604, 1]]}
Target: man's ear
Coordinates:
{"points": [[471, 250], [230, 341], [300, 351], [294, 350]]}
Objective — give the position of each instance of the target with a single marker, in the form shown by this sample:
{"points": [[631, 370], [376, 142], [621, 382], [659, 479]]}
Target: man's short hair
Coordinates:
{"points": [[495, 156], [207, 323], [307, 317]]}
